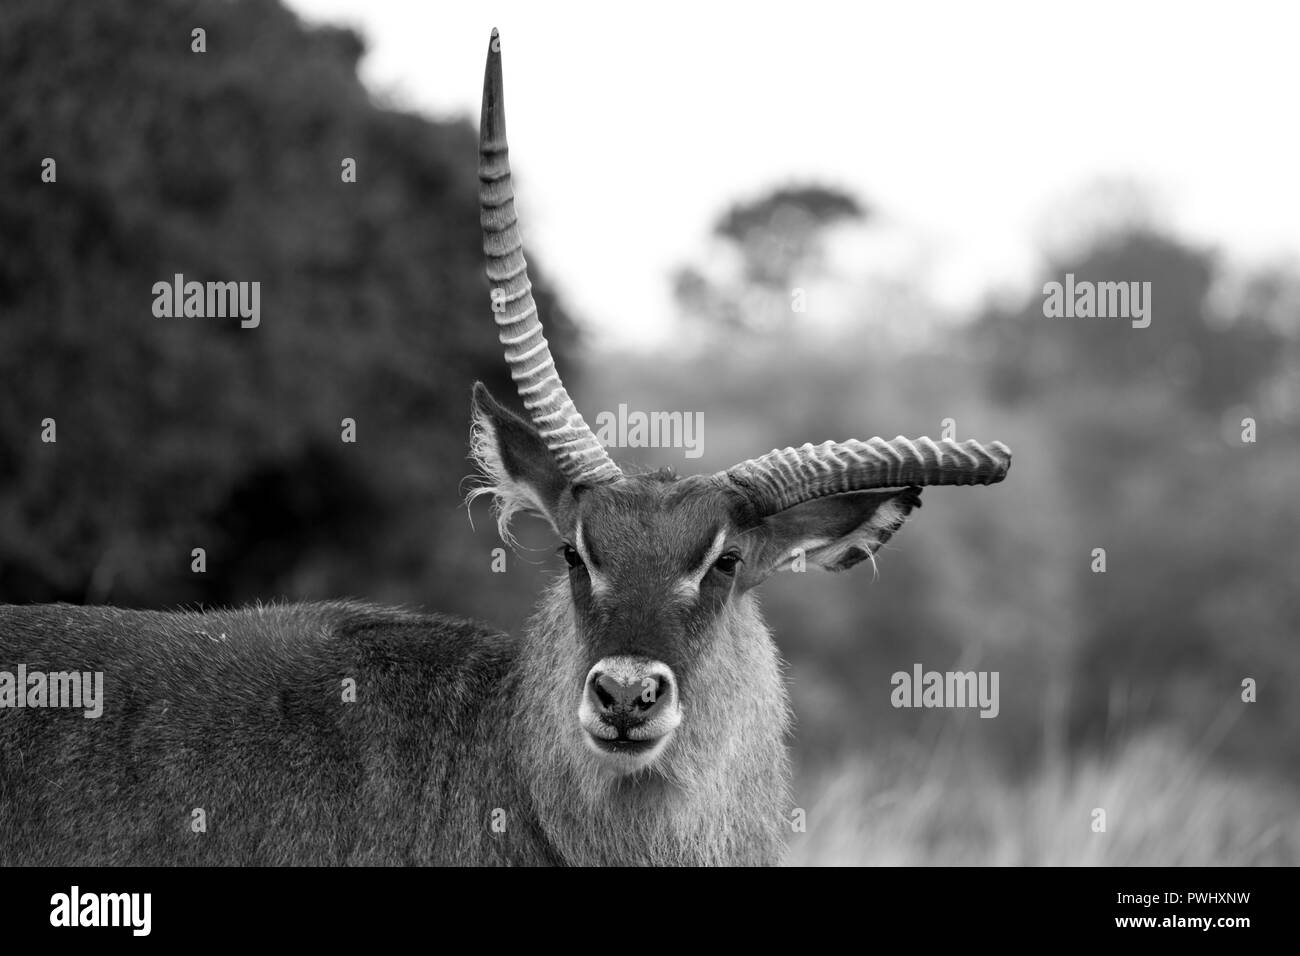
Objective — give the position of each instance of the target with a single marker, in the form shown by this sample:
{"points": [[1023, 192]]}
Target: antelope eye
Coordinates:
{"points": [[571, 556], [726, 563]]}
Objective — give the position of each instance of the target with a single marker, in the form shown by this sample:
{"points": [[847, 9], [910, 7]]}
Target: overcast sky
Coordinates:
{"points": [[970, 127]]}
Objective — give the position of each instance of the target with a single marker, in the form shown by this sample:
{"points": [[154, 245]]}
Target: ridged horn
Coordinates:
{"points": [[577, 451], [786, 477]]}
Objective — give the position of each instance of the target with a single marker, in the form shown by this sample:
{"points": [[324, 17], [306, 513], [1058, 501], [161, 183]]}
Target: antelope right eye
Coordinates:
{"points": [[571, 556], [726, 563]]}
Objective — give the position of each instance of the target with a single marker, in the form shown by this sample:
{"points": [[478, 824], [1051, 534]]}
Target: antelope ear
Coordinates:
{"points": [[514, 464], [835, 532]]}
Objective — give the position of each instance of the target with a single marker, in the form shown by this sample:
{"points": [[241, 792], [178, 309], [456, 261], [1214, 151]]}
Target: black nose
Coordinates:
{"points": [[625, 702]]}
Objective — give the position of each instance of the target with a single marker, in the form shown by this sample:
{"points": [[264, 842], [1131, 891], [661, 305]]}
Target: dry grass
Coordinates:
{"points": [[1165, 806]]}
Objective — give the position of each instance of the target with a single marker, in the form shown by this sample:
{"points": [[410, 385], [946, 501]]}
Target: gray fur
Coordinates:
{"points": [[251, 726]]}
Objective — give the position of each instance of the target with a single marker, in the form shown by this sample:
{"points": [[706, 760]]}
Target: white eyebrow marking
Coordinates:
{"points": [[689, 586], [599, 583]]}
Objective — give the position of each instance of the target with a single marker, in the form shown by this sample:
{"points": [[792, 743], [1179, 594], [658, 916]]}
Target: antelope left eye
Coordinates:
{"points": [[727, 563], [571, 556]]}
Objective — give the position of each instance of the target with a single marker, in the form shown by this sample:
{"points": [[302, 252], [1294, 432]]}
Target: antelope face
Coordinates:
{"points": [[667, 644], [652, 564]]}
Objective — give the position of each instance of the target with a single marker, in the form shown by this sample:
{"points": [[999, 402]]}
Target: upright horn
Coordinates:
{"points": [[577, 451], [786, 477]]}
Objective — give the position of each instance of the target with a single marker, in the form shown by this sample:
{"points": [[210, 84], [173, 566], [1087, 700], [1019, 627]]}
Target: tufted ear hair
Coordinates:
{"points": [[834, 532], [515, 466]]}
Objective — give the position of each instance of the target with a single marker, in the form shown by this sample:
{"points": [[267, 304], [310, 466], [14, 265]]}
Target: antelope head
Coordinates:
{"points": [[666, 637]]}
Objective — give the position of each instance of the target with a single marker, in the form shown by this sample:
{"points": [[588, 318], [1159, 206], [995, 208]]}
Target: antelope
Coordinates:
{"points": [[641, 718]]}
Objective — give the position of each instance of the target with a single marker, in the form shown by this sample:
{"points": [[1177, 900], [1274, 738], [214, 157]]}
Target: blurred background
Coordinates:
{"points": [[835, 229]]}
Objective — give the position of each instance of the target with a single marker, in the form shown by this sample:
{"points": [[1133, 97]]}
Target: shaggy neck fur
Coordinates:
{"points": [[719, 794]]}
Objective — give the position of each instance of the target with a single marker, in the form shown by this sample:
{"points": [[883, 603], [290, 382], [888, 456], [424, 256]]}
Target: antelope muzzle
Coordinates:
{"points": [[630, 708]]}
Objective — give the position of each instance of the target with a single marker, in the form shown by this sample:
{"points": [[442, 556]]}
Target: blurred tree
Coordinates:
{"points": [[773, 240], [1200, 528], [1207, 358], [183, 433]]}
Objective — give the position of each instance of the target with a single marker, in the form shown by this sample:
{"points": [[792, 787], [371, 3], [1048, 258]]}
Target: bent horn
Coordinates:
{"points": [[786, 477], [577, 451]]}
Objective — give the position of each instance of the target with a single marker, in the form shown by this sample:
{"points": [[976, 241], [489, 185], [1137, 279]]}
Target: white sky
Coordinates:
{"points": [[970, 127]]}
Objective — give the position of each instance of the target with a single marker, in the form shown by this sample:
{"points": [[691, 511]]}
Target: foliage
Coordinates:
{"points": [[183, 433]]}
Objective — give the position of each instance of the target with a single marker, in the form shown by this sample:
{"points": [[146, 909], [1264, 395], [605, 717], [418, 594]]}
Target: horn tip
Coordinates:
{"points": [[495, 33]]}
